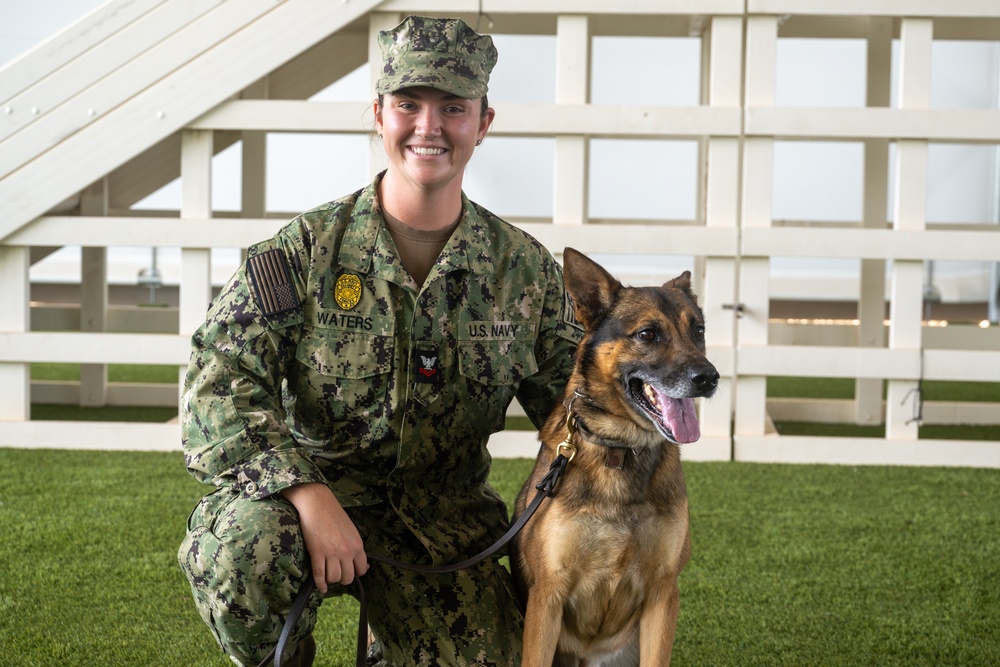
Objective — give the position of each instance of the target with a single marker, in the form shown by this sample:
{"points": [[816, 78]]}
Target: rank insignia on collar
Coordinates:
{"points": [[426, 364], [347, 291]]}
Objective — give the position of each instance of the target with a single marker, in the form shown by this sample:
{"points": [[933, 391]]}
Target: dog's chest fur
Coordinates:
{"points": [[610, 554], [614, 569]]}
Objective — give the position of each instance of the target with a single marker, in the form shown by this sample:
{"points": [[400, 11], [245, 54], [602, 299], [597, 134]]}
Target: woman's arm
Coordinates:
{"points": [[332, 539]]}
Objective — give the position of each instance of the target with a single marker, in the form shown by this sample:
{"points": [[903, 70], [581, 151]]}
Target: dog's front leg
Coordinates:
{"points": [[658, 625], [542, 624]]}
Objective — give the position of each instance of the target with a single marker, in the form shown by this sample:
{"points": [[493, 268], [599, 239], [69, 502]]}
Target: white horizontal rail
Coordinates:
{"points": [[597, 7], [636, 239], [146, 232], [955, 336], [916, 8], [962, 365], [131, 436], [236, 232], [119, 436], [942, 125], [866, 451], [131, 394], [804, 361], [964, 245], [95, 348], [512, 119], [876, 363]]}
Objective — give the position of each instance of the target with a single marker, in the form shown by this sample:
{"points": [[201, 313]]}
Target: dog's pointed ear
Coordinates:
{"points": [[681, 282], [593, 289]]}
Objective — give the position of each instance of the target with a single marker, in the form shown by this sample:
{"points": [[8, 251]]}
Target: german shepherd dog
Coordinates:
{"points": [[598, 563]]}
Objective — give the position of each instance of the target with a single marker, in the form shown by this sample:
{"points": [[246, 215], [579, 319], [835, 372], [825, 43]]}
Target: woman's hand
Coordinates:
{"points": [[332, 539]]}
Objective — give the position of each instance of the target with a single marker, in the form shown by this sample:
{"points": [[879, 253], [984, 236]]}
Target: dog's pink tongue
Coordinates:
{"points": [[678, 414]]}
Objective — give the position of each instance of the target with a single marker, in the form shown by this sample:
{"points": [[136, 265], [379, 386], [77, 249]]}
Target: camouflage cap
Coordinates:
{"points": [[441, 53]]}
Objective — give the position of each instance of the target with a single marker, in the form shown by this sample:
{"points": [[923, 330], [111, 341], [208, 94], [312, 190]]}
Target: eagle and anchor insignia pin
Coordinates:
{"points": [[427, 367]]}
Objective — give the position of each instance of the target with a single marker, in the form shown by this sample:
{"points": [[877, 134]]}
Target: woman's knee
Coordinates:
{"points": [[246, 561]]}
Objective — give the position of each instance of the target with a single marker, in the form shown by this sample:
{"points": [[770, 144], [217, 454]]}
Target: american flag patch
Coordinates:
{"points": [[272, 283]]}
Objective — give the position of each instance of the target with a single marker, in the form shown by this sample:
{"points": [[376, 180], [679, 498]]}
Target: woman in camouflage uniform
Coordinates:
{"points": [[343, 388]]}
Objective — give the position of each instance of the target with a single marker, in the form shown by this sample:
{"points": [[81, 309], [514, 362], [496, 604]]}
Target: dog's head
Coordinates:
{"points": [[644, 350]]}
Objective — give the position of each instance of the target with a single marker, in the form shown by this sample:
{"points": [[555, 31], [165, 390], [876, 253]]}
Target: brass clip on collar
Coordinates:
{"points": [[567, 444]]}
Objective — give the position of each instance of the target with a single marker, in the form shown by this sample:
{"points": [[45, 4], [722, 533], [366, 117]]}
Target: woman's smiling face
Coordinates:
{"points": [[429, 135]]}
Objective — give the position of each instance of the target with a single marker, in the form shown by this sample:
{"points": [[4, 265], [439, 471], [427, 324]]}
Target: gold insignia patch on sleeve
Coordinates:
{"points": [[347, 291], [272, 283]]}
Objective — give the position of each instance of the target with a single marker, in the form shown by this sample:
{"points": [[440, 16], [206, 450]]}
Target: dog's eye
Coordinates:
{"points": [[647, 335], [698, 331]]}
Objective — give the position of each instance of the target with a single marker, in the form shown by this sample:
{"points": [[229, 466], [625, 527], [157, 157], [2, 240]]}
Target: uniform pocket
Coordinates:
{"points": [[343, 377], [209, 507], [345, 354], [496, 362]]}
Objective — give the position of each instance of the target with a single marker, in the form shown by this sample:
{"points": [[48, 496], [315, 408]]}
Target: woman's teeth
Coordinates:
{"points": [[419, 150]]}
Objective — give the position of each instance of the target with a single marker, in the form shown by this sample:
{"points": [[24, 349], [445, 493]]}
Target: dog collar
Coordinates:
{"points": [[614, 453]]}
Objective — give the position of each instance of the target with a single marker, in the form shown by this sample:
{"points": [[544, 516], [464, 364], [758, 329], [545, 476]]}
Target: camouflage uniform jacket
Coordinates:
{"points": [[321, 361]]}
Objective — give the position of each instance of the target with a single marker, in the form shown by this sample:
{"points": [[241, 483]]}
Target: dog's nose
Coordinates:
{"points": [[705, 378]]}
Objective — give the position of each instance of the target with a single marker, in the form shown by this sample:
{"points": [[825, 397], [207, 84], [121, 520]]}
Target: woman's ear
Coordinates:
{"points": [[485, 122], [378, 117]]}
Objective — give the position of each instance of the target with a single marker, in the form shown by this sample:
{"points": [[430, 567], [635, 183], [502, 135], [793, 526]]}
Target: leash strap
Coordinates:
{"points": [[545, 488]]}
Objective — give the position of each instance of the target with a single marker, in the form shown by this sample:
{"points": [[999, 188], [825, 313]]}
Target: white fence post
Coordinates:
{"points": [[758, 176], [196, 203], [871, 297], [94, 297], [15, 380], [910, 214], [571, 151], [253, 174], [722, 186]]}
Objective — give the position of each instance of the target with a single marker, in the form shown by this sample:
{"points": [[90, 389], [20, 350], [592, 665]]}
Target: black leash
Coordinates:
{"points": [[545, 489]]}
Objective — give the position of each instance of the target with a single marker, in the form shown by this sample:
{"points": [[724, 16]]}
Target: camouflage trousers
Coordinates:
{"points": [[246, 561]]}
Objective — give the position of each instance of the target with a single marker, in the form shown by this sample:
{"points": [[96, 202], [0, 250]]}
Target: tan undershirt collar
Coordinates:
{"points": [[418, 248]]}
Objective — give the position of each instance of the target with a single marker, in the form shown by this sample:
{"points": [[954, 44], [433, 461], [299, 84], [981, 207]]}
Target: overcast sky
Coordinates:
{"points": [[25, 23]]}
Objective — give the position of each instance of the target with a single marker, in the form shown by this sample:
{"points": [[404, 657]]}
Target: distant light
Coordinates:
{"points": [[822, 321], [940, 324], [984, 324]]}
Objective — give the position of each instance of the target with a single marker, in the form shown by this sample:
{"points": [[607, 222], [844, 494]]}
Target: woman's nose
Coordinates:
{"points": [[428, 123]]}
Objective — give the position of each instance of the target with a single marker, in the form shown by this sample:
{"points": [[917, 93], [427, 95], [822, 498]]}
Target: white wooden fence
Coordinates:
{"points": [[732, 239]]}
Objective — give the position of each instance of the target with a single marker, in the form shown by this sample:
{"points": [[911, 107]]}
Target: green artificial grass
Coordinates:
{"points": [[791, 565], [823, 565], [934, 390], [155, 373]]}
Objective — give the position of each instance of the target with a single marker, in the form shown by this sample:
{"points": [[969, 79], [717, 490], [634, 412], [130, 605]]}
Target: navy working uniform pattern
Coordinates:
{"points": [[322, 361]]}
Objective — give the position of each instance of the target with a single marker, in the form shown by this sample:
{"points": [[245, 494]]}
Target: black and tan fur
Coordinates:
{"points": [[598, 563]]}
